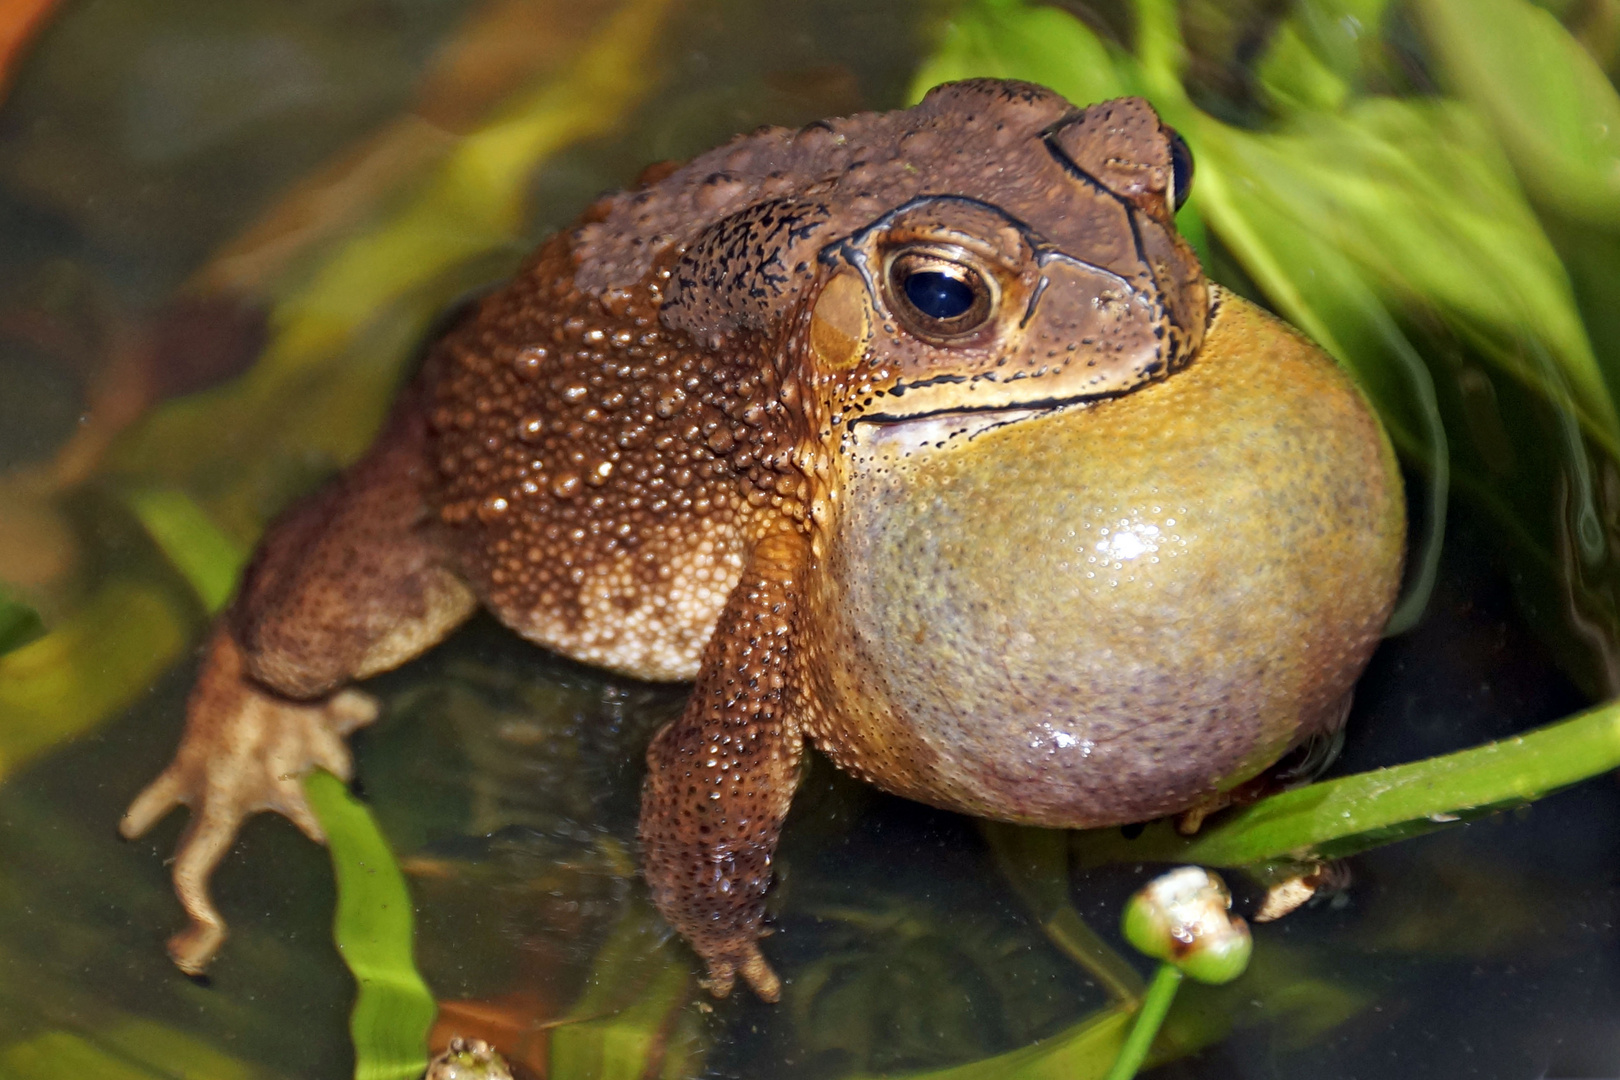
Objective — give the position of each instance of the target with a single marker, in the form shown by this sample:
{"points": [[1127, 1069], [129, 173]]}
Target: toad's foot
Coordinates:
{"points": [[725, 964], [244, 750]]}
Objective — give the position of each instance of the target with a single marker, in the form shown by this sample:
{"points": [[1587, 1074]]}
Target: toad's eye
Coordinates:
{"points": [[1181, 169], [938, 297]]}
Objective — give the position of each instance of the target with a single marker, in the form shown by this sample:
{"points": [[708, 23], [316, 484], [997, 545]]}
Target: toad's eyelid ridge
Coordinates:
{"points": [[852, 249]]}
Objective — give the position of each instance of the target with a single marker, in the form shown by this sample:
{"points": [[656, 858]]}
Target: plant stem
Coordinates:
{"points": [[1155, 1004]]}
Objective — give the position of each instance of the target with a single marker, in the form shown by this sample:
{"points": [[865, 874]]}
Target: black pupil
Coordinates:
{"points": [[939, 296], [1181, 168]]}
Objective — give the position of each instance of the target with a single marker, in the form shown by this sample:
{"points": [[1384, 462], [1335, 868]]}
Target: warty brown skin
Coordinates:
{"points": [[814, 420]]}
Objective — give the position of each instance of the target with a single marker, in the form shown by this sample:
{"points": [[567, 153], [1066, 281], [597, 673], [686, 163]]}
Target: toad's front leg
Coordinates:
{"points": [[720, 778]]}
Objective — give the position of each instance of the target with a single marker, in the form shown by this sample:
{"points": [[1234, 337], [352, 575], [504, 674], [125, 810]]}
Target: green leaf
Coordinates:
{"points": [[1551, 105], [373, 931], [1415, 196], [1343, 34], [1322, 53], [19, 624], [1332, 818], [1296, 78], [207, 558], [1007, 39], [476, 200]]}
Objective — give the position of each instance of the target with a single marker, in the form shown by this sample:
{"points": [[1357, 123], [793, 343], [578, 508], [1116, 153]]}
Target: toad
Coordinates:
{"points": [[919, 437]]}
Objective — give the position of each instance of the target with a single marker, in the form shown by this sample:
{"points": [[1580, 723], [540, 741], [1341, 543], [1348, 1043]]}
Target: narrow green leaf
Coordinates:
{"points": [[173, 1052], [476, 201], [373, 931], [1088, 1049], [1551, 105], [1161, 55], [207, 558], [1355, 812]]}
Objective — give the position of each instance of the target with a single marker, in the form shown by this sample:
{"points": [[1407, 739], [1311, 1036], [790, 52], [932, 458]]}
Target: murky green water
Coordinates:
{"points": [[141, 138]]}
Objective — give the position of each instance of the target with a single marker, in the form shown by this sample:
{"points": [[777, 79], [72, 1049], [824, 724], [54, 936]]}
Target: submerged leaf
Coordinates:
{"points": [[638, 986], [374, 932], [1035, 863], [475, 202], [1085, 1051], [1296, 78], [127, 1050]]}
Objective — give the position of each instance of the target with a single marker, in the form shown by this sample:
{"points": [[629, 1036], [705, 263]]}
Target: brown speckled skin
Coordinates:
{"points": [[701, 436]]}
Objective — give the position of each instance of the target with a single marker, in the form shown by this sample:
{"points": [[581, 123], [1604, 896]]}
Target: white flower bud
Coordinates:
{"points": [[1182, 918]]}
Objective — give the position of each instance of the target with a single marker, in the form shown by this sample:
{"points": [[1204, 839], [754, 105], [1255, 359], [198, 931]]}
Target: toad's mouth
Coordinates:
{"points": [[937, 427], [997, 409], [937, 413]]}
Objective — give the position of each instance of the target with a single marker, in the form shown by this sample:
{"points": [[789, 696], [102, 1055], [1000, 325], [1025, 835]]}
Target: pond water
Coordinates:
{"points": [[142, 140]]}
